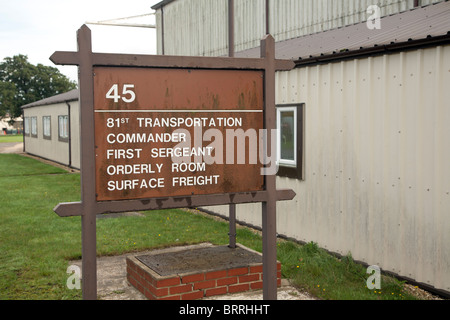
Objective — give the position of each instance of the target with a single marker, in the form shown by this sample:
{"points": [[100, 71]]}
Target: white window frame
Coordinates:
{"points": [[63, 128], [26, 126], [33, 126], [286, 162], [47, 127]]}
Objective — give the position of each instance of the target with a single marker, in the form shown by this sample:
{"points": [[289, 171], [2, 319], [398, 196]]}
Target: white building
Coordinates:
{"points": [[52, 129]]}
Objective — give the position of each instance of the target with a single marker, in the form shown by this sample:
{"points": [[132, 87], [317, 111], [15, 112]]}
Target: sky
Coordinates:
{"points": [[38, 28]]}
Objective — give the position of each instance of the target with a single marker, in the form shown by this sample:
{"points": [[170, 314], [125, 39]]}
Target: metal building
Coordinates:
{"points": [[371, 166], [200, 27]]}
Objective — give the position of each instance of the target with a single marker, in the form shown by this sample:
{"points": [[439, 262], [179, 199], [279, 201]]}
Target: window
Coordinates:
{"points": [[46, 127], [63, 128], [290, 141], [26, 126], [34, 127]]}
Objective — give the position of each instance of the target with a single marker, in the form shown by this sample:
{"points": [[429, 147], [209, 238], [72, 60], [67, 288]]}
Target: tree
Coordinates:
{"points": [[7, 92], [22, 82]]}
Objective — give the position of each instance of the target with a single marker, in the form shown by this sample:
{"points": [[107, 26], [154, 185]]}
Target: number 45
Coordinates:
{"points": [[128, 95]]}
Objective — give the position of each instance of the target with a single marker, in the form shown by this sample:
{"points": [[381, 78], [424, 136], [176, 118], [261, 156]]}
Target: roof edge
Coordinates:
{"points": [[375, 50], [72, 95], [161, 4]]}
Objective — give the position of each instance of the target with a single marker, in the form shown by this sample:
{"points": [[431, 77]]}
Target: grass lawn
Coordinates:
{"points": [[11, 138], [36, 244], [326, 277]]}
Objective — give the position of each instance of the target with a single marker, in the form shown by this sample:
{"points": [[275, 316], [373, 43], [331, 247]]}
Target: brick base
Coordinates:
{"points": [[193, 286]]}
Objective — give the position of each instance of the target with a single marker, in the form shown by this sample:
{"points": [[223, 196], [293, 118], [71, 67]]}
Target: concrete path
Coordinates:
{"points": [[11, 147], [112, 283]]}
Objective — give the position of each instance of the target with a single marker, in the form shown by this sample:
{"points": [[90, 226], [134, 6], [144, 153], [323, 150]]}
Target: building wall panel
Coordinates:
{"points": [[194, 27], [54, 149], [75, 142], [377, 179], [50, 149]]}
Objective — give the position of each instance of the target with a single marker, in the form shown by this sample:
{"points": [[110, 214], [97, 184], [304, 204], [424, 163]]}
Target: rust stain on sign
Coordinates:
{"points": [[170, 132]]}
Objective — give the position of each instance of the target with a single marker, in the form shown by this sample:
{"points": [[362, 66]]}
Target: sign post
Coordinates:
{"points": [[269, 207], [162, 132]]}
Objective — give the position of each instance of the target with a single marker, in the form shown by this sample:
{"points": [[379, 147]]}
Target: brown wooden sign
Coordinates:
{"points": [[170, 132]]}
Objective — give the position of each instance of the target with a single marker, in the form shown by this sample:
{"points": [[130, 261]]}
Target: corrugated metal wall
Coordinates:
{"points": [[200, 27], [377, 155], [194, 28], [293, 18]]}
